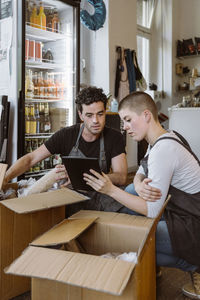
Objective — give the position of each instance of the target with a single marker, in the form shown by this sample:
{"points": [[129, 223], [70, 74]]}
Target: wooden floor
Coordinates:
{"points": [[168, 286]]}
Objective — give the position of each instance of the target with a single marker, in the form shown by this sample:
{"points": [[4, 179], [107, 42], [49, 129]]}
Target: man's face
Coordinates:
{"points": [[134, 124], [93, 116]]}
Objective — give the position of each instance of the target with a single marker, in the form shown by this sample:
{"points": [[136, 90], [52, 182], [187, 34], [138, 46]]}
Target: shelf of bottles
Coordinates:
{"points": [[48, 78]]}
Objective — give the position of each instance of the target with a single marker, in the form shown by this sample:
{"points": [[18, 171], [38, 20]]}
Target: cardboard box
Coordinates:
{"points": [[71, 275], [21, 221]]}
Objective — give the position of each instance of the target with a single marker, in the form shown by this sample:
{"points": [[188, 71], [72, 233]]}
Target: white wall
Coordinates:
{"points": [[98, 50], [95, 52]]}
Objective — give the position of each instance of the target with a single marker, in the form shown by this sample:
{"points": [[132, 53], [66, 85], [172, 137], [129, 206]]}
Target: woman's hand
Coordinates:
{"points": [[100, 183], [147, 192], [62, 174]]}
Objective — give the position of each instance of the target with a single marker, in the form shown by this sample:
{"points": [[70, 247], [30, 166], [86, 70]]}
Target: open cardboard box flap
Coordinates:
{"points": [[36, 202], [44, 200], [63, 232], [3, 168], [87, 271]]}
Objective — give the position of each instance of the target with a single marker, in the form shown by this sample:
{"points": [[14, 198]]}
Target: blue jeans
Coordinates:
{"points": [[164, 253]]}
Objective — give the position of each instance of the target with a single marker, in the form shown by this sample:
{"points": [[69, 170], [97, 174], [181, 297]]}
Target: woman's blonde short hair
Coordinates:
{"points": [[139, 102]]}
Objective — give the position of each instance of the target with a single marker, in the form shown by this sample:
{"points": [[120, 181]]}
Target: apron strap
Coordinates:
{"points": [[102, 155], [181, 143], [78, 138]]}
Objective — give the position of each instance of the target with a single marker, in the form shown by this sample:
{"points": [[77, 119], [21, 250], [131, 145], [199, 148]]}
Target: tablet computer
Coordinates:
{"points": [[76, 166]]}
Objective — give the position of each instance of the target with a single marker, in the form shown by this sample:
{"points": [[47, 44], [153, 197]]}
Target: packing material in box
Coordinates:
{"points": [[22, 220], [83, 274]]}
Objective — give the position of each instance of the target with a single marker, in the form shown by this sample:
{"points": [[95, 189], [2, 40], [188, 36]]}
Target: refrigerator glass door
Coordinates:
{"points": [[50, 73]]}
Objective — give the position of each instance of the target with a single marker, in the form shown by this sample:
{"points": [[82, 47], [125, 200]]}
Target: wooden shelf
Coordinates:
{"points": [[188, 56]]}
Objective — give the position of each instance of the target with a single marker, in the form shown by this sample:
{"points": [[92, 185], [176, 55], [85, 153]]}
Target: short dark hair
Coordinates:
{"points": [[138, 102], [90, 95]]}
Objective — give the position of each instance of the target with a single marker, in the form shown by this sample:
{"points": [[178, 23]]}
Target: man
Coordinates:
{"points": [[91, 138], [169, 166]]}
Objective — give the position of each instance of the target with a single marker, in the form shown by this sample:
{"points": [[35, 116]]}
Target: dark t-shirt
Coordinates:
{"points": [[64, 139]]}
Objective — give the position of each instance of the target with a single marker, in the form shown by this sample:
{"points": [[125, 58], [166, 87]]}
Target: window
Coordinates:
{"points": [[145, 11]]}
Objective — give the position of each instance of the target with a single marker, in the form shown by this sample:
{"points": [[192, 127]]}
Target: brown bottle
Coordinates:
{"points": [[29, 150], [41, 114], [36, 167], [55, 22], [28, 12], [49, 16]]}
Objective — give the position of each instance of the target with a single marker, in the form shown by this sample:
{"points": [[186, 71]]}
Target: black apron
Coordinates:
{"points": [[98, 201], [182, 215], [78, 153]]}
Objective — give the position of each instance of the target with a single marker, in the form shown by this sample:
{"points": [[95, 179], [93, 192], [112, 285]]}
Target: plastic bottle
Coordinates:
{"points": [[34, 17], [114, 105], [42, 18]]}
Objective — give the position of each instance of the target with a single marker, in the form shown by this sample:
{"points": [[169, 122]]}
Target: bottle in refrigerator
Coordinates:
{"points": [[28, 11], [26, 49], [35, 83], [47, 163], [37, 116], [27, 120], [29, 150], [40, 85], [41, 113], [49, 18], [36, 167], [55, 22], [47, 123], [48, 56], [32, 120], [38, 51], [31, 50], [50, 86], [46, 85], [42, 17], [40, 143], [34, 17], [29, 87]]}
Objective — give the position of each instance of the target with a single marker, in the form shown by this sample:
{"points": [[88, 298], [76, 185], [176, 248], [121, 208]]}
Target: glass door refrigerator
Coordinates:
{"points": [[50, 76]]}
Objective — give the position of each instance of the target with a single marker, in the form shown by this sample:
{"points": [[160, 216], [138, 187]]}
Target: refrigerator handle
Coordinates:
{"points": [[21, 125]]}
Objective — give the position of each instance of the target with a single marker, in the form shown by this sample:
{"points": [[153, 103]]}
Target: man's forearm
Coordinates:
{"points": [[118, 178], [19, 167]]}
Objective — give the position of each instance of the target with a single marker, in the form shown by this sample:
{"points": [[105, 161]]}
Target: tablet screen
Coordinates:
{"points": [[76, 166]]}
